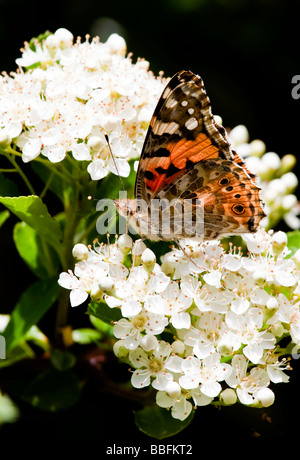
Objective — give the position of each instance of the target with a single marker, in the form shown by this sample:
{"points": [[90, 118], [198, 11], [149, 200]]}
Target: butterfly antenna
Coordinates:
{"points": [[188, 256], [114, 160]]}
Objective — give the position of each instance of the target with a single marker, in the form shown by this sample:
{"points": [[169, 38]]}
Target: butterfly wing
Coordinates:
{"points": [[182, 132], [187, 155], [217, 198]]}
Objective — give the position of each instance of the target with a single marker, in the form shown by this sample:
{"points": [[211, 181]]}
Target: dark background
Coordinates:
{"points": [[247, 52]]}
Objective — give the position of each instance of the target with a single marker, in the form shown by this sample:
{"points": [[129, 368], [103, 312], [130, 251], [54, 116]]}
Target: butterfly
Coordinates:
{"points": [[187, 165]]}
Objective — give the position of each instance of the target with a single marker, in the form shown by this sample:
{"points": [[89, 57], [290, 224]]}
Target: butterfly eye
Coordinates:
{"points": [[238, 209], [224, 181]]}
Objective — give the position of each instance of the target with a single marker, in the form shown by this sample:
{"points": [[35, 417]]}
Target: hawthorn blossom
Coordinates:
{"points": [[179, 402], [155, 365], [208, 372], [132, 329], [68, 96], [224, 328], [247, 331], [247, 385]]}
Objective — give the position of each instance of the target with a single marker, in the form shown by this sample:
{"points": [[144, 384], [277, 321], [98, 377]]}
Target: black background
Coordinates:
{"points": [[247, 52]]}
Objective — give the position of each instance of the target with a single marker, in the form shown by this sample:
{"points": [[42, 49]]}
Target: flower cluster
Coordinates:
{"points": [[276, 178], [71, 95], [223, 315]]}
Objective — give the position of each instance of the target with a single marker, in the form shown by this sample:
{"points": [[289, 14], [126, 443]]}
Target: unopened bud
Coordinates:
{"points": [[125, 243], [272, 303], [266, 397], [279, 242], [95, 143], [120, 350], [116, 44], [228, 396], [64, 37], [80, 251], [173, 389], [239, 135], [178, 347], [257, 147], [148, 259]]}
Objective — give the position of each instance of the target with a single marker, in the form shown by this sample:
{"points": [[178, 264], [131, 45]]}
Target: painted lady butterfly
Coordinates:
{"points": [[187, 157]]}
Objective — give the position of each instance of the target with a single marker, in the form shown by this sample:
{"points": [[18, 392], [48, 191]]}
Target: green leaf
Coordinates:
{"points": [[104, 312], [35, 251], [55, 184], [62, 360], [293, 242], [30, 308], [86, 335], [158, 423], [7, 186], [34, 212], [4, 215], [53, 390]]}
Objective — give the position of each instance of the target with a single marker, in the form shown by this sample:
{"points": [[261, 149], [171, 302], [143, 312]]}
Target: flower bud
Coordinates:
{"points": [[288, 162], [266, 397], [272, 303], [116, 44], [271, 160], [96, 293], [120, 350], [80, 251], [244, 150], [279, 242], [95, 143], [178, 347], [218, 120], [257, 147], [173, 389], [125, 243], [239, 135], [64, 37], [149, 342], [289, 202], [148, 259], [52, 43], [228, 397], [137, 251], [290, 180]]}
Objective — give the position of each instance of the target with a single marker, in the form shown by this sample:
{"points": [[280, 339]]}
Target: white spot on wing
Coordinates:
{"points": [[191, 124], [184, 103], [169, 128], [171, 103]]}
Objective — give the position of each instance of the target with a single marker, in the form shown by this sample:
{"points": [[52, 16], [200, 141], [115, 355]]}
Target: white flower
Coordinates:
{"points": [[206, 334], [172, 302], [180, 405], [152, 365], [288, 313], [207, 372], [131, 329], [246, 328], [132, 292], [76, 92], [247, 384]]}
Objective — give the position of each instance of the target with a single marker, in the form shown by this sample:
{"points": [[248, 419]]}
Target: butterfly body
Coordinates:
{"points": [[190, 183]]}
